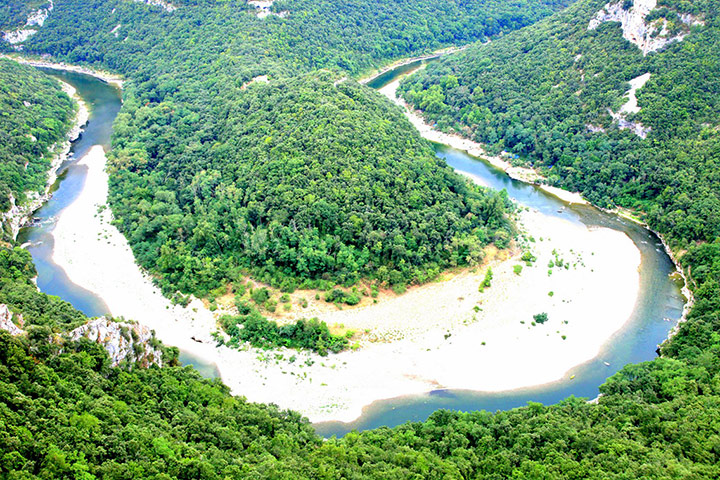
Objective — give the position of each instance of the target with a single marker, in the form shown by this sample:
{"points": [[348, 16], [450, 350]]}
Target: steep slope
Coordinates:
{"points": [[561, 95], [36, 117], [68, 411]]}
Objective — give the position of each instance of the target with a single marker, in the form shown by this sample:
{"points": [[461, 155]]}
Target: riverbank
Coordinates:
{"points": [[446, 334], [475, 149], [96, 256], [406, 61], [19, 215], [105, 76]]}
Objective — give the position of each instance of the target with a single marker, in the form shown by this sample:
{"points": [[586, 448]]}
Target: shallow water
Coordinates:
{"points": [[659, 297], [104, 102], [657, 310]]}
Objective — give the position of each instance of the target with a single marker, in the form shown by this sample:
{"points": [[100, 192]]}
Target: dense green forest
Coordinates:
{"points": [[35, 114], [64, 413], [318, 180], [206, 179], [543, 94]]}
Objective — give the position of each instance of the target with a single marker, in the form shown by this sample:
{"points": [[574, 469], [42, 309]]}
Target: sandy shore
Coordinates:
{"points": [[447, 334], [97, 256]]}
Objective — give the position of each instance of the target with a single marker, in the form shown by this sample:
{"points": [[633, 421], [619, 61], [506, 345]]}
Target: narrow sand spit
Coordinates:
{"points": [[447, 334], [97, 256]]}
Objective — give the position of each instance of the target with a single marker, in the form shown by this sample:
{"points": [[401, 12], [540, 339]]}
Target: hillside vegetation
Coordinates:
{"points": [[207, 182], [316, 181], [64, 413], [35, 114], [545, 94]]}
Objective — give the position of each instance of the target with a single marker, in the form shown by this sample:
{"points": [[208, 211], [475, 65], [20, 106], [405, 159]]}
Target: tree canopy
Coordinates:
{"points": [[546, 93], [210, 179], [35, 114]]}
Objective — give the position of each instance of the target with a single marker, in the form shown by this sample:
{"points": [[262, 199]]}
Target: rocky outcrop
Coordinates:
{"points": [[632, 107], [122, 341], [263, 8], [648, 36], [165, 5], [35, 19], [258, 79], [7, 323]]}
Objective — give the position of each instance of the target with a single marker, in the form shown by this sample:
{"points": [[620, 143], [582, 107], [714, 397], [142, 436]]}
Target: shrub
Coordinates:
{"points": [[260, 295]]}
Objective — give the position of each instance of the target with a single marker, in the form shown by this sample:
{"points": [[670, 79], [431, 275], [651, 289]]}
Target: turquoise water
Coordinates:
{"points": [[658, 308], [104, 102]]}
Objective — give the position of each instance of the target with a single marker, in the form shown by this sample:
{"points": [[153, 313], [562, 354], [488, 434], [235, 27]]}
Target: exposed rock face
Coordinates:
{"points": [[631, 107], [648, 36], [263, 8], [6, 321], [35, 19], [258, 79], [167, 6], [121, 340]]}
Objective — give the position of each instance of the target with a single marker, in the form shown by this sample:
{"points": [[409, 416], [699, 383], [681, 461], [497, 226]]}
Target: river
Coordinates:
{"points": [[657, 310], [104, 102]]}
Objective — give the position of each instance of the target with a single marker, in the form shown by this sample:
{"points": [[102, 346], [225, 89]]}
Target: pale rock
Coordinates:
{"points": [[120, 340], [632, 107], [648, 37], [35, 19], [6, 321], [263, 8], [167, 6]]}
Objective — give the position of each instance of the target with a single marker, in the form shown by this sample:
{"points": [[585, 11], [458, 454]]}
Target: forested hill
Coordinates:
{"points": [[210, 177], [35, 114], [65, 413], [318, 179], [548, 93]]}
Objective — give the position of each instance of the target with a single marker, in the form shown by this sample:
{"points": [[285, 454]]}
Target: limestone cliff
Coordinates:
{"points": [[35, 20], [122, 341], [7, 323], [649, 36]]}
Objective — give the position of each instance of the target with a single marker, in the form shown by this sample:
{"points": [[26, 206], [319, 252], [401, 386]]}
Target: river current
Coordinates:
{"points": [[657, 310]]}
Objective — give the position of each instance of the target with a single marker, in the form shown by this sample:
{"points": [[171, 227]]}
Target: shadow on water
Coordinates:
{"points": [[206, 369], [104, 102], [657, 310]]}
